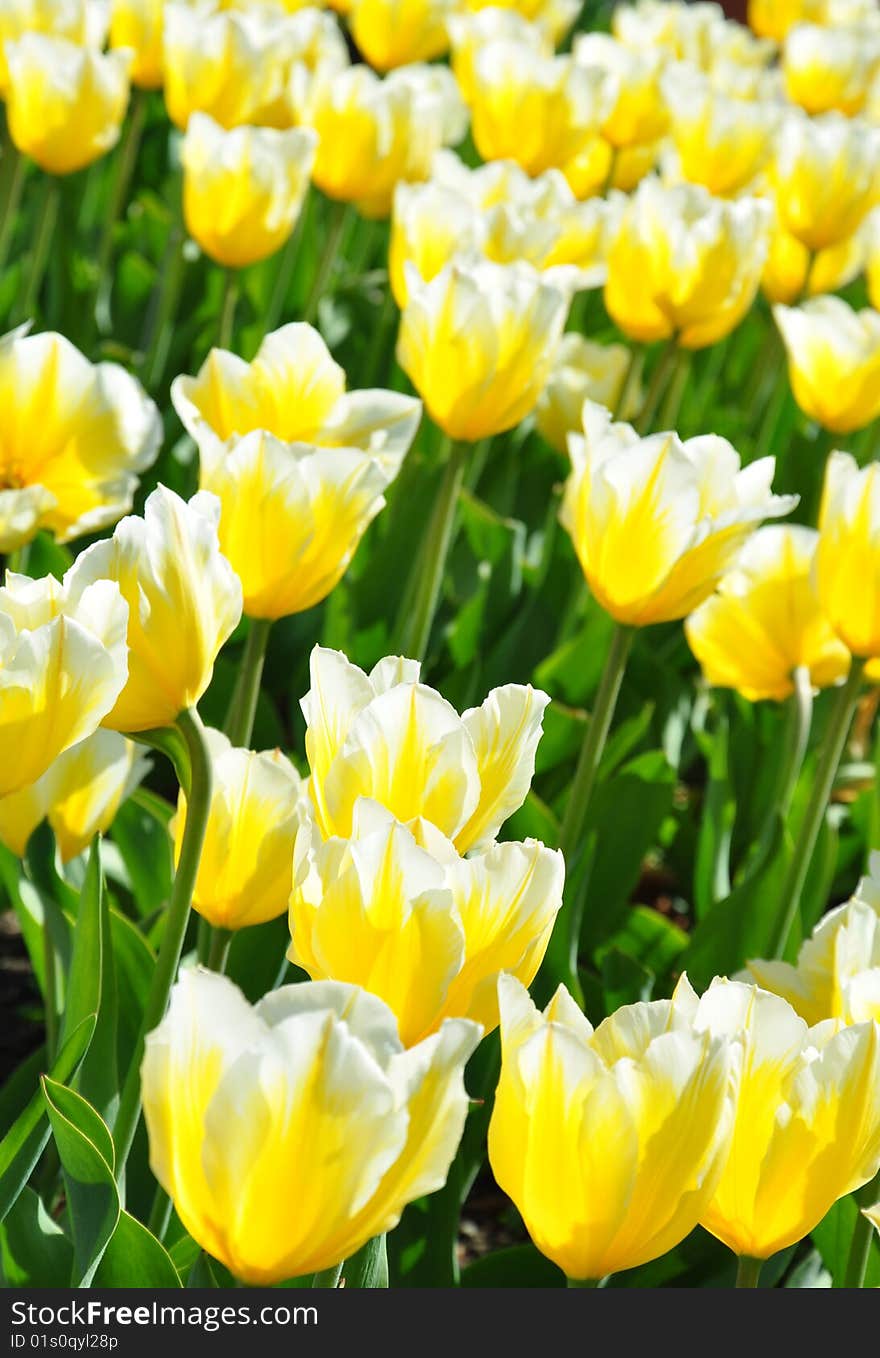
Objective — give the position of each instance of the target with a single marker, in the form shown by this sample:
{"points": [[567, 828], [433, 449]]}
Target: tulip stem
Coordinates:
{"points": [[431, 560], [162, 308], [239, 722], [796, 738], [328, 1277], [678, 381], [826, 771], [47, 216], [51, 996], [125, 163], [227, 310], [657, 385], [13, 184], [338, 216], [860, 1248], [583, 1282], [218, 951], [748, 1271], [630, 384], [198, 804], [284, 277]]}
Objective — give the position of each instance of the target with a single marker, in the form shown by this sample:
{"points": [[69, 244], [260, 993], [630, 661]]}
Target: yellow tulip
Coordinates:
{"points": [[774, 18], [63, 664], [598, 167], [243, 190], [233, 66], [289, 1134], [294, 390], [478, 344], [553, 17], [245, 868], [792, 271], [64, 103], [826, 177], [873, 1215], [393, 33], [848, 556], [656, 522], [871, 241], [807, 1122], [430, 224], [373, 133], [837, 974], [833, 361], [765, 621], [390, 738], [583, 371], [539, 111], [80, 21], [396, 910], [637, 114], [184, 600], [828, 68], [719, 142], [685, 264], [72, 441], [317, 50], [471, 30], [610, 1142], [137, 24], [698, 33], [79, 793]]}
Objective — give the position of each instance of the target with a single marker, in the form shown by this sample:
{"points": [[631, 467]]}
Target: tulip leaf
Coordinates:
{"points": [[201, 1272], [23, 1144], [650, 939], [34, 1251], [140, 832], [40, 858], [84, 1144], [91, 988], [19, 1088], [133, 962], [369, 1267], [833, 1239], [712, 865], [135, 1258], [515, 1266]]}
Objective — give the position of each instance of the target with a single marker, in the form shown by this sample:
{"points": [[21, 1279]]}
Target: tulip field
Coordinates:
{"points": [[439, 644]]}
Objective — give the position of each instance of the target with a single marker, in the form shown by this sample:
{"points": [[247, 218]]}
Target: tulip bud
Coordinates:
{"points": [[830, 68], [79, 21], [64, 103], [74, 437], [719, 142], [308, 1100], [637, 113], [184, 600], [656, 522], [774, 18], [243, 190], [826, 177], [397, 32], [583, 371], [469, 32], [848, 556], [792, 271], [137, 24], [833, 361]]}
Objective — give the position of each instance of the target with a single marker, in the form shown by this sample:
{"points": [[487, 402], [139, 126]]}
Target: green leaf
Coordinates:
{"points": [[833, 1238], [22, 1146], [34, 1251], [624, 980], [712, 866], [515, 1266], [369, 1266], [93, 1207], [650, 939], [19, 1088], [201, 1273], [134, 963], [135, 1258], [92, 988], [140, 832]]}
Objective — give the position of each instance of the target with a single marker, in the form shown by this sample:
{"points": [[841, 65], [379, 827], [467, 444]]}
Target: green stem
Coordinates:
{"points": [[126, 159], [629, 385], [678, 381], [46, 219], [368, 1268], [826, 771], [14, 184], [239, 722], [162, 310], [218, 952], [583, 1282], [772, 414], [860, 1248], [748, 1271], [338, 216], [431, 561], [657, 385], [198, 805], [328, 1277], [284, 277], [51, 996], [797, 735], [226, 326], [608, 182], [160, 1213]]}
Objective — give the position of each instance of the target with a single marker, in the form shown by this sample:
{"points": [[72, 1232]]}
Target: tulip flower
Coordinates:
{"points": [[388, 737], [637, 113], [539, 111], [837, 974], [137, 24], [610, 1142], [256, 806], [478, 344], [64, 103], [550, 17], [685, 264], [231, 65], [826, 177], [243, 190], [764, 623], [848, 559], [698, 33], [469, 31], [289, 1134], [830, 68], [74, 437], [317, 50], [833, 361], [872, 258], [373, 133], [873, 1215], [584, 371], [397, 911], [79, 794], [79, 21], [719, 142], [63, 664], [597, 167], [656, 522], [184, 600], [774, 18], [393, 33], [792, 272], [430, 224], [807, 1119]]}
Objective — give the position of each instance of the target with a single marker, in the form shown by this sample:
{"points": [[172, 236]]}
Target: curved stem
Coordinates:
{"points": [[748, 1271], [218, 951], [431, 560], [239, 722], [198, 805], [797, 734], [657, 385], [339, 213], [678, 381], [13, 185], [46, 217], [284, 277], [125, 163], [227, 311], [328, 1277], [826, 771], [860, 1248], [630, 384]]}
